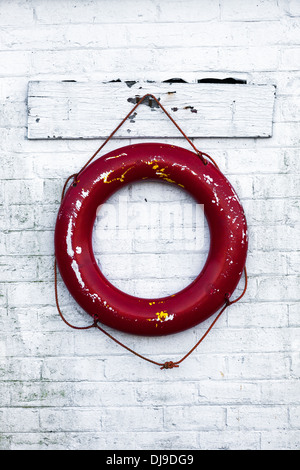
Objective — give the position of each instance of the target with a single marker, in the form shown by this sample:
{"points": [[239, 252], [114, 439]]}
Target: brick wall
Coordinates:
{"points": [[64, 389]]}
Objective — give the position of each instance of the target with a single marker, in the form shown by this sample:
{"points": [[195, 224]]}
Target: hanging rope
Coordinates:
{"points": [[95, 324]]}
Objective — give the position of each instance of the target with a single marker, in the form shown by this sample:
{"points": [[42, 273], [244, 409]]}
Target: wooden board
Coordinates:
{"points": [[87, 110]]}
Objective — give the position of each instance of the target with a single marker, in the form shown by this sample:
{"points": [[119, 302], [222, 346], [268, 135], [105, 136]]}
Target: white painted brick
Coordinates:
{"points": [[3, 294], [278, 288], [289, 58], [21, 369], [19, 420], [208, 366], [251, 10], [227, 440], [37, 394], [294, 318], [294, 417], [23, 192], [284, 392], [269, 187], [291, 7], [14, 13], [258, 366], [87, 394], [18, 269], [136, 419], [281, 440], [225, 392], [167, 394], [72, 369], [295, 364], [147, 11], [48, 343], [15, 63], [258, 315], [16, 166], [264, 418], [30, 243], [19, 217]]}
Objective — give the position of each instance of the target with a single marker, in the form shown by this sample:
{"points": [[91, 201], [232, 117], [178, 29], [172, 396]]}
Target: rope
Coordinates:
{"points": [[95, 324]]}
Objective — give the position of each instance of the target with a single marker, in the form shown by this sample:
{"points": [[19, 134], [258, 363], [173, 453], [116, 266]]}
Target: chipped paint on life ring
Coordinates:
{"points": [[147, 316]]}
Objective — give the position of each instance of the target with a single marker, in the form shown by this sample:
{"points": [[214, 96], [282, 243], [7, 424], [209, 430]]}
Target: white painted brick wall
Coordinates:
{"points": [[64, 389]]}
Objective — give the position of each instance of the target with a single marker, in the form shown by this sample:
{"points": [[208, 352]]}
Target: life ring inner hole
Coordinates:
{"points": [[151, 239]]}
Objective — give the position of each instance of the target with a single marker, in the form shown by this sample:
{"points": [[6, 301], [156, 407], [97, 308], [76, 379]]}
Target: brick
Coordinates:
{"points": [[227, 392], [20, 217], [136, 419], [23, 192], [130, 12], [256, 315], [248, 161], [277, 237], [9, 59], [48, 343], [284, 392], [72, 369], [17, 269], [87, 395], [19, 420], [249, 11], [133, 369], [16, 166], [291, 7], [289, 58], [285, 186], [30, 243], [254, 366], [295, 416], [280, 440], [40, 395], [20, 369], [278, 288], [167, 394]]}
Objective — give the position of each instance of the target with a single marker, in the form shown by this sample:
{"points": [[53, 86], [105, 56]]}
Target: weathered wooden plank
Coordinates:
{"points": [[85, 110]]}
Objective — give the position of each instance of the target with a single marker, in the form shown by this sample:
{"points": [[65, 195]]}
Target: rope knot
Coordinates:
{"points": [[169, 365]]}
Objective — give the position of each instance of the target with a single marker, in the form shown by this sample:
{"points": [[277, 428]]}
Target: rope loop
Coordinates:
{"points": [[167, 364]]}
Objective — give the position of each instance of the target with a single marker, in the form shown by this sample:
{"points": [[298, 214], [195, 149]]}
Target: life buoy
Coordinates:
{"points": [[147, 316]]}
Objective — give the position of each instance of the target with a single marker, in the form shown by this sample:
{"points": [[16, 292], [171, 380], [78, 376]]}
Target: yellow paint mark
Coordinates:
{"points": [[151, 303], [155, 166]]}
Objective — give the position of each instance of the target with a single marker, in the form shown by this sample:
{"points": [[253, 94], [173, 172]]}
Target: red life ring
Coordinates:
{"points": [[195, 303]]}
